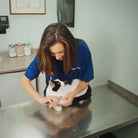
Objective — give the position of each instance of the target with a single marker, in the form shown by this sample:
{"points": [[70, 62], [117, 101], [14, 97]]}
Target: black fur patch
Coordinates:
{"points": [[57, 85], [85, 97], [68, 82]]}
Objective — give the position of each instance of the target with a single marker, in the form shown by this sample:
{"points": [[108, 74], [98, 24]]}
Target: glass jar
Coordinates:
{"points": [[12, 51], [19, 49], [27, 49]]}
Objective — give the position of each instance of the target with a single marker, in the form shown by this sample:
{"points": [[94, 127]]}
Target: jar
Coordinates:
{"points": [[12, 51], [27, 49], [19, 50]]}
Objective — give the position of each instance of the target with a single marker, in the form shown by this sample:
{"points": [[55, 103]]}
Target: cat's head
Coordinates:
{"points": [[56, 84]]}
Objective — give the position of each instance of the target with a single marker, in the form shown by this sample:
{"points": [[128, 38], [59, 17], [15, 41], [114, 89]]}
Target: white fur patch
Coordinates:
{"points": [[64, 89]]}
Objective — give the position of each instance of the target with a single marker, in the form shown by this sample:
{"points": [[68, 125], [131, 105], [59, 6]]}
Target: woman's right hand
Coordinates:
{"points": [[28, 87], [49, 99]]}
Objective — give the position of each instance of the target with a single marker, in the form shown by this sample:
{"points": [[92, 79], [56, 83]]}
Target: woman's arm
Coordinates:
{"points": [[81, 86], [70, 96], [28, 87]]}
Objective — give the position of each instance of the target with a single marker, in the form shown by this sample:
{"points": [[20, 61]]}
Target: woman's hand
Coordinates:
{"points": [[50, 99], [69, 98]]}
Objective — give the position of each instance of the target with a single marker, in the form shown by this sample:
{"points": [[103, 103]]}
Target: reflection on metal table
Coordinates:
{"points": [[107, 111]]}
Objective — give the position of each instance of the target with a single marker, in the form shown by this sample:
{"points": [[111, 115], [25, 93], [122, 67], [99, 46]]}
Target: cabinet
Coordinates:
{"points": [[11, 92], [41, 83]]}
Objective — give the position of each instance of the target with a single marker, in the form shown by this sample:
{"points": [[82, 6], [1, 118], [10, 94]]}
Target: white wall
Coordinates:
{"points": [[26, 28], [111, 29], [108, 26]]}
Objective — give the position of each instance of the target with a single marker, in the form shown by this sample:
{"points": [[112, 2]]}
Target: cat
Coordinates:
{"points": [[59, 88]]}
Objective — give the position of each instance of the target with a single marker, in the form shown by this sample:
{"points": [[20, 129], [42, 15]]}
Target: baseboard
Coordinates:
{"points": [[131, 97]]}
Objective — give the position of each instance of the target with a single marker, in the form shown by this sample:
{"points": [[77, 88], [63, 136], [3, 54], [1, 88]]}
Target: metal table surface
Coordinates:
{"points": [[107, 111]]}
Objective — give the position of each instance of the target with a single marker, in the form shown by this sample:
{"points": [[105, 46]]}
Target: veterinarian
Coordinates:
{"points": [[60, 56]]}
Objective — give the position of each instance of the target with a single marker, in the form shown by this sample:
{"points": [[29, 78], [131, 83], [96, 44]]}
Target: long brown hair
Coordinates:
{"points": [[57, 32]]}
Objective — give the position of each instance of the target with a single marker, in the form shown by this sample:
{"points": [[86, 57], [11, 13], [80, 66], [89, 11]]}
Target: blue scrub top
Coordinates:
{"points": [[83, 69]]}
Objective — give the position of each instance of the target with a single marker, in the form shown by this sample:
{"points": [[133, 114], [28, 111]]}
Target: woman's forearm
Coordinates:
{"points": [[70, 96], [28, 87], [81, 86]]}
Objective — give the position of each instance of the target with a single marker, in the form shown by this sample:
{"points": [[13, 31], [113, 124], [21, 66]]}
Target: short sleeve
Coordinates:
{"points": [[33, 70], [85, 62]]}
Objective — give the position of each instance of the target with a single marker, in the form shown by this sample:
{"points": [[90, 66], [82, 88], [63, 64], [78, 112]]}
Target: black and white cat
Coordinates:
{"points": [[60, 89]]}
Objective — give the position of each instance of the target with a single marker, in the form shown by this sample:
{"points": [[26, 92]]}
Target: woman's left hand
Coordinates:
{"points": [[68, 99]]}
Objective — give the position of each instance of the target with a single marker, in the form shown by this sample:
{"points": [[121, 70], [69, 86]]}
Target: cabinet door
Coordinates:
{"points": [[41, 83], [10, 90]]}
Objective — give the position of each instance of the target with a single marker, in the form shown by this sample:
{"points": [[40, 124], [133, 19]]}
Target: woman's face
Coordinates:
{"points": [[57, 50]]}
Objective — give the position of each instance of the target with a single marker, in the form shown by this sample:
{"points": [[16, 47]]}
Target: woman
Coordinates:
{"points": [[60, 56]]}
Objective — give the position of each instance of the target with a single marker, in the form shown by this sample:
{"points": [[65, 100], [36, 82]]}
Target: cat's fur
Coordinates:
{"points": [[60, 89]]}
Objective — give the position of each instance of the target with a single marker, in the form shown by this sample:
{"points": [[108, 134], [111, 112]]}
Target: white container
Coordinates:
{"points": [[12, 51], [19, 50], [27, 49]]}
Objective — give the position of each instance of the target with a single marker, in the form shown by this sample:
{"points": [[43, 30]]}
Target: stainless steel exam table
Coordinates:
{"points": [[107, 111]]}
